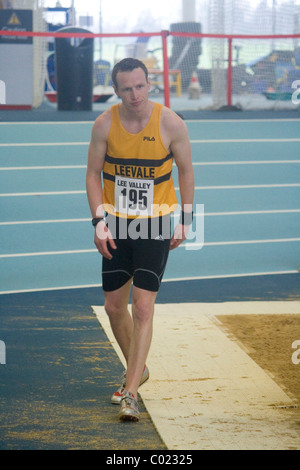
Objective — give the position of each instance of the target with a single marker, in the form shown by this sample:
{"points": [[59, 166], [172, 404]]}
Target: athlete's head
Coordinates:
{"points": [[127, 65]]}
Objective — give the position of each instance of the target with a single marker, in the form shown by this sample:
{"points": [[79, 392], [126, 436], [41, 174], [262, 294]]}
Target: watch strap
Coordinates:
{"points": [[96, 220]]}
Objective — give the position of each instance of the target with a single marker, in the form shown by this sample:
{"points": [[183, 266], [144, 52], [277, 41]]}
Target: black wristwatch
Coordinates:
{"points": [[96, 220], [186, 218]]}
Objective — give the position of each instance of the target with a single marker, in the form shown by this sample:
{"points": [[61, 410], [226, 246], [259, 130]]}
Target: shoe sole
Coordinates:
{"points": [[129, 417]]}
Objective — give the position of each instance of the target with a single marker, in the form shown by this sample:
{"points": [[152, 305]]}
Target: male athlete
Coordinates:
{"points": [[132, 148]]}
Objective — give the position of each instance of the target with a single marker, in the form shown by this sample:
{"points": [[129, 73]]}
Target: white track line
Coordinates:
{"points": [[208, 214], [43, 193], [49, 221], [43, 144], [183, 246], [191, 121], [279, 211], [226, 276], [246, 162], [197, 188], [193, 141], [47, 289], [248, 186], [71, 167], [241, 242], [47, 253], [43, 123], [237, 141], [52, 167]]}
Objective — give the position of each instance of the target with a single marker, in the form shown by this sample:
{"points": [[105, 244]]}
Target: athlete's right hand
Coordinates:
{"points": [[102, 238]]}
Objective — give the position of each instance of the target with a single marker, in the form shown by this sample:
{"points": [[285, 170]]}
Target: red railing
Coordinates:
{"points": [[164, 37], [230, 38]]}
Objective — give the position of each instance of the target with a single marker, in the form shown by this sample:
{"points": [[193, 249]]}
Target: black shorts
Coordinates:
{"points": [[142, 253]]}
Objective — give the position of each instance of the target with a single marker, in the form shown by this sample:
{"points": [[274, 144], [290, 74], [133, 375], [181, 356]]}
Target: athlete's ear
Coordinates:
{"points": [[116, 91]]}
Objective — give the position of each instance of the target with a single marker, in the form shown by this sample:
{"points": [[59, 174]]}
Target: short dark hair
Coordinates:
{"points": [[127, 65]]}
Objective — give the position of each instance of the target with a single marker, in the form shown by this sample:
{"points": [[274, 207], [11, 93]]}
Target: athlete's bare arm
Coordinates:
{"points": [[175, 134], [96, 156]]}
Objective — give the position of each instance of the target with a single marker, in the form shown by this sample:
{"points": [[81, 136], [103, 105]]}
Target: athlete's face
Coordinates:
{"points": [[133, 89]]}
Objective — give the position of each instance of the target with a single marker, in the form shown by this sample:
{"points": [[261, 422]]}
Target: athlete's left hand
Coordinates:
{"points": [[180, 234]]}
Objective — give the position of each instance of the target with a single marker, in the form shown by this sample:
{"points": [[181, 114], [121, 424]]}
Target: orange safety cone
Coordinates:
{"points": [[195, 88]]}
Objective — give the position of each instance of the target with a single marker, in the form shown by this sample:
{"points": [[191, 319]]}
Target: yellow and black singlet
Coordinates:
{"points": [[137, 173]]}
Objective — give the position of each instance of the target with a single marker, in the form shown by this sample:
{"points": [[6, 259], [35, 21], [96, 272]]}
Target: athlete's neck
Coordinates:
{"points": [[134, 121]]}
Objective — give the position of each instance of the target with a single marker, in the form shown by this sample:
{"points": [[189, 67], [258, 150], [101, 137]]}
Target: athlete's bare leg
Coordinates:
{"points": [[142, 314], [116, 306]]}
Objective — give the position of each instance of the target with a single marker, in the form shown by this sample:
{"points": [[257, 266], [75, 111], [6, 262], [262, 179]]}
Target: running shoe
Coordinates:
{"points": [[129, 408], [117, 396]]}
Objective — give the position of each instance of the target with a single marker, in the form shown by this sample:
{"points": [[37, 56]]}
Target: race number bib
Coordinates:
{"points": [[134, 196]]}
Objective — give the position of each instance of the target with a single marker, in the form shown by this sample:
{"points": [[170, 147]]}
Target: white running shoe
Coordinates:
{"points": [[118, 395], [129, 410]]}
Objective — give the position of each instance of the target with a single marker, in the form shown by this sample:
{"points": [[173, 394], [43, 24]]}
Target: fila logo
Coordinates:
{"points": [[149, 139]]}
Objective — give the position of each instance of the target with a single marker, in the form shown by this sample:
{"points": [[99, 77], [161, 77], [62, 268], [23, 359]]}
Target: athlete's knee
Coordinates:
{"points": [[112, 308], [142, 311]]}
